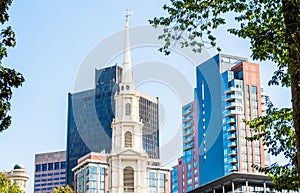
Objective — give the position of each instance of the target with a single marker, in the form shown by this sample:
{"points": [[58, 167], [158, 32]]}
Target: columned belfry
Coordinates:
{"points": [[128, 160]]}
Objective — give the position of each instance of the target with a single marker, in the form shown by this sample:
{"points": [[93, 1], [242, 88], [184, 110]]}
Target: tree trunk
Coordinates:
{"points": [[295, 88], [291, 9]]}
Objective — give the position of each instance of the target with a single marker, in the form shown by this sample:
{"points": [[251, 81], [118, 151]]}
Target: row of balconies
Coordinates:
{"points": [[231, 137], [233, 168], [233, 161], [187, 124], [187, 110], [232, 153], [188, 139], [235, 93], [230, 97], [187, 132], [232, 112], [188, 145], [232, 90], [233, 105], [187, 118], [231, 121], [232, 144], [231, 129]]}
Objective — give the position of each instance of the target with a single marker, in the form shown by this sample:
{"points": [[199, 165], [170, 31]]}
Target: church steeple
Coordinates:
{"points": [[128, 160], [127, 75]]}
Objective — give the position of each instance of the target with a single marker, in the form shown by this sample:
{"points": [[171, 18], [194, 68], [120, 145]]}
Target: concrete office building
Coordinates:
{"points": [[50, 171]]}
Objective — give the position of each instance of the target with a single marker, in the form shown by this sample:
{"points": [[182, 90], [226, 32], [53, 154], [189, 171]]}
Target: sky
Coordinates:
{"points": [[55, 39]]}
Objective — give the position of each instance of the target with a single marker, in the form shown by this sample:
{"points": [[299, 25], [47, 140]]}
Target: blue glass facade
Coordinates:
{"points": [[175, 180], [90, 114], [91, 179], [208, 93]]}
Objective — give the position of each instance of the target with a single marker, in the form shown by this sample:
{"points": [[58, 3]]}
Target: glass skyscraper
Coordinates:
{"points": [[91, 112]]}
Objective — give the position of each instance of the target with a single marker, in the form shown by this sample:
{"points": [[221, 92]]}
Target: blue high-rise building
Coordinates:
{"points": [[228, 92], [91, 112]]}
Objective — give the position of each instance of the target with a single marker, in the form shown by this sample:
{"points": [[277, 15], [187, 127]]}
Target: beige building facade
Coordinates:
{"points": [[19, 176]]}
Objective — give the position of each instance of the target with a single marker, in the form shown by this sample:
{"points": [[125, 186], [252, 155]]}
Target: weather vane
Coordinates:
{"points": [[128, 13]]}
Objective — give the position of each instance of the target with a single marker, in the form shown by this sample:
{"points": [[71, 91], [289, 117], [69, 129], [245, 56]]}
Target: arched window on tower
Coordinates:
{"points": [[128, 139], [127, 109], [128, 179]]}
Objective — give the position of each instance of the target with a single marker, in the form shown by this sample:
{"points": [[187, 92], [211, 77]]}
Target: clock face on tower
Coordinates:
{"points": [[127, 87]]}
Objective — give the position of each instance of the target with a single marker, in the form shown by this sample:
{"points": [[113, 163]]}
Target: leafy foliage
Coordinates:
{"points": [[276, 130], [192, 23], [6, 186], [9, 78], [61, 189]]}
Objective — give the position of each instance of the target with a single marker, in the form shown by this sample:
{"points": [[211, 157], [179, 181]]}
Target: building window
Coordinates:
{"points": [[50, 166], [254, 89], [62, 165], [195, 165], [56, 165], [127, 109], [152, 180], [44, 167], [161, 183], [189, 174], [195, 172], [102, 173], [128, 139], [128, 179], [38, 167]]}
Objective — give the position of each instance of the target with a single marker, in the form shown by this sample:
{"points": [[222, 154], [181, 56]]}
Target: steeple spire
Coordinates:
{"points": [[127, 75]]}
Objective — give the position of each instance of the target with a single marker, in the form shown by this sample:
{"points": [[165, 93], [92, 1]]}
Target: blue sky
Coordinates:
{"points": [[53, 39]]}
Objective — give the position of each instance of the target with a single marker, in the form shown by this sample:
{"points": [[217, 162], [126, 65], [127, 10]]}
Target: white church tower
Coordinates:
{"points": [[128, 160]]}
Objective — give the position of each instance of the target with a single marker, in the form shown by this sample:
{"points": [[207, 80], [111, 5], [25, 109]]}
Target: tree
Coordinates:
{"points": [[7, 187], [278, 134], [9, 78], [61, 189], [272, 26]]}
